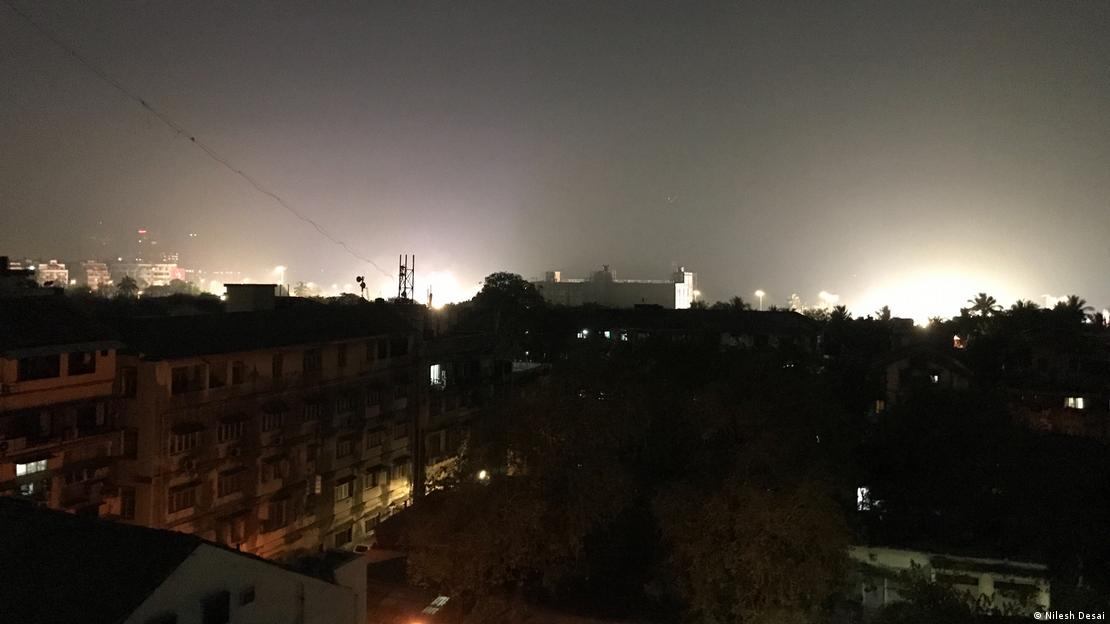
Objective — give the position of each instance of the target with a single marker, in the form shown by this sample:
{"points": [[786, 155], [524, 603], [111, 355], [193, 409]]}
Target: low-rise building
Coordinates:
{"points": [[146, 274], [1001, 584], [64, 568], [94, 274], [52, 273], [564, 328], [604, 289], [15, 278]]}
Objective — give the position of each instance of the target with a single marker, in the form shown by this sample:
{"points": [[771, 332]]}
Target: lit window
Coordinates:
{"points": [[934, 378], [343, 491], [582, 335], [30, 467], [1074, 402], [435, 373], [880, 406], [863, 499], [608, 334]]}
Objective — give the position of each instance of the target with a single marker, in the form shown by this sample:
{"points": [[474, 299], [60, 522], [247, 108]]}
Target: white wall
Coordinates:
{"points": [[280, 595]]}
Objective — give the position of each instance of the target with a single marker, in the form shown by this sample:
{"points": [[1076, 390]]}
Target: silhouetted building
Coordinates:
{"points": [[915, 369], [604, 289], [14, 277], [563, 328]]}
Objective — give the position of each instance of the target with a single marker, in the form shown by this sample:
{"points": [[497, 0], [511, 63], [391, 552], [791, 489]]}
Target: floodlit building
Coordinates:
{"points": [[60, 431], [145, 273], [77, 569], [94, 274], [52, 273], [604, 289]]}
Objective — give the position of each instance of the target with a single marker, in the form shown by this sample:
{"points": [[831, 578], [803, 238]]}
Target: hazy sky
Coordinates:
{"points": [[904, 152]]}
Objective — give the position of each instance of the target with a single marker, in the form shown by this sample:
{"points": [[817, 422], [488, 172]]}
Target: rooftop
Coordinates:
{"points": [[38, 324], [170, 337], [59, 567]]}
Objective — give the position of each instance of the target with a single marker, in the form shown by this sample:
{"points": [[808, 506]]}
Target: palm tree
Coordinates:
{"points": [[883, 313], [984, 305], [127, 287], [1024, 305], [1073, 308], [839, 314]]}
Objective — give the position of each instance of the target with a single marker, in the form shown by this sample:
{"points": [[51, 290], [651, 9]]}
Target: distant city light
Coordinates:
{"points": [[446, 288], [760, 294], [934, 292]]}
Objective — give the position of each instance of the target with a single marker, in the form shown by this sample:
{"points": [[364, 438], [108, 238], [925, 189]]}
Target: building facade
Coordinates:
{"points": [[52, 273], [281, 432], [94, 275], [60, 429], [604, 289]]}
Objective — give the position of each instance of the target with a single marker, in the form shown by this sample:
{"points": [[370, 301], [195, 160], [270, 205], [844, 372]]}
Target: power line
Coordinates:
{"points": [[181, 130]]}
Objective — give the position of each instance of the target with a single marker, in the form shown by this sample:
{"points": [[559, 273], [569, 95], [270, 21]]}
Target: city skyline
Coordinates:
{"points": [[902, 154]]}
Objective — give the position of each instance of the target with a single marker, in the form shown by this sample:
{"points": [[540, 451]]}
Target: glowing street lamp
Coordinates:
{"points": [[760, 293], [280, 270]]}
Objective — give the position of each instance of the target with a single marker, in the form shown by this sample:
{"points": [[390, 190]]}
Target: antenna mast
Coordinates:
{"points": [[406, 277]]}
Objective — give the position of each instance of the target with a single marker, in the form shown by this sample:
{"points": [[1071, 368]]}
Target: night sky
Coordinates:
{"points": [[902, 153]]}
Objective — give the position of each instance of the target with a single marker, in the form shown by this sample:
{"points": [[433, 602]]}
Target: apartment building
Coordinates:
{"points": [[60, 430], [463, 376], [276, 431]]}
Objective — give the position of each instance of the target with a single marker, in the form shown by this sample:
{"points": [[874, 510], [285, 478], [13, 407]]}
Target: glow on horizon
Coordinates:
{"points": [[937, 292], [446, 288]]}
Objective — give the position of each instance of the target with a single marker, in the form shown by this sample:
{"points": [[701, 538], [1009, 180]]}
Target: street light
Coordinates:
{"points": [[760, 293], [280, 270]]}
